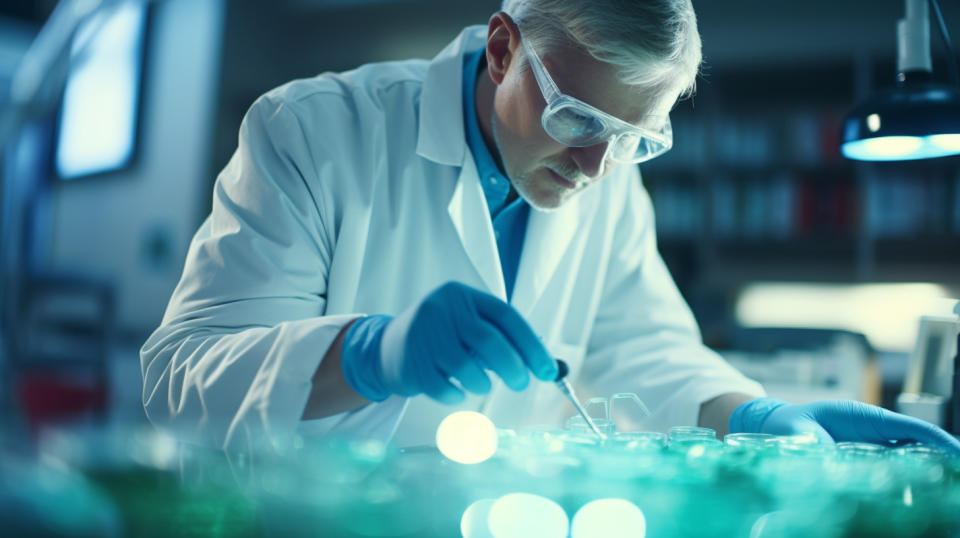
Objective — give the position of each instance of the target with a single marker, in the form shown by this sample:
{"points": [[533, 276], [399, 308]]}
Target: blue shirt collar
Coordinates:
{"points": [[496, 185]]}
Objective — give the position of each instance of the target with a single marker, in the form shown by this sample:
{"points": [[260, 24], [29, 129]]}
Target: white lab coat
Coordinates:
{"points": [[355, 193]]}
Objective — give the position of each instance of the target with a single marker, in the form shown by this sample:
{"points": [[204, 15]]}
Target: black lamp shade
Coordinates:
{"points": [[914, 121]]}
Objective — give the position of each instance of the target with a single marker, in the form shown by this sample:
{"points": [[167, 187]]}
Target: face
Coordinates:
{"points": [[545, 172]]}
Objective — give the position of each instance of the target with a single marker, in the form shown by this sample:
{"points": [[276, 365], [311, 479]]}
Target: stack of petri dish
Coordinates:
{"points": [[678, 433], [639, 441], [692, 440]]}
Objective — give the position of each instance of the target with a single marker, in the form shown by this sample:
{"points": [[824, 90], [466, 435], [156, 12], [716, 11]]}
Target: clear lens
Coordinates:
{"points": [[633, 148], [625, 146], [576, 126], [573, 127]]}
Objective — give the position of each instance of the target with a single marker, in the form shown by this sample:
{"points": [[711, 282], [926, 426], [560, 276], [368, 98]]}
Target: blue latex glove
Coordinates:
{"points": [[455, 332], [838, 420]]}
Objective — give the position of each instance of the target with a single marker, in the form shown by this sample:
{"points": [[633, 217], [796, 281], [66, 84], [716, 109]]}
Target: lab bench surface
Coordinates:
{"points": [[145, 484]]}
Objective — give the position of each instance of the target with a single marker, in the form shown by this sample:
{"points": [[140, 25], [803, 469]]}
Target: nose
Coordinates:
{"points": [[591, 159]]}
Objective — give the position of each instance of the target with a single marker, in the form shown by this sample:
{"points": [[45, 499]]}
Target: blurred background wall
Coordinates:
{"points": [[754, 191]]}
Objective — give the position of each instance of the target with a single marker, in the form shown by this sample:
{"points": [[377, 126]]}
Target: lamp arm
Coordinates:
{"points": [[952, 57]]}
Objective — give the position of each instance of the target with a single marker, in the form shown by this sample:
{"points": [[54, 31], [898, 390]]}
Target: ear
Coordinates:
{"points": [[503, 40]]}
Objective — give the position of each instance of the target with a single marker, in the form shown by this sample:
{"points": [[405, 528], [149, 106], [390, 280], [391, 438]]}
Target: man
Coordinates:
{"points": [[395, 242]]}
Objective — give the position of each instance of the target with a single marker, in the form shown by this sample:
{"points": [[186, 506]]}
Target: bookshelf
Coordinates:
{"points": [[756, 189]]}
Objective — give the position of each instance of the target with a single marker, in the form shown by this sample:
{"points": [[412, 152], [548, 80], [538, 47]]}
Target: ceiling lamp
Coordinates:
{"points": [[919, 118]]}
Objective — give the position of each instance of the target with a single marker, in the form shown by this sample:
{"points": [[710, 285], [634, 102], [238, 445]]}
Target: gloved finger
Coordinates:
{"points": [[472, 377], [446, 394], [892, 426], [516, 329], [800, 426], [495, 352], [438, 386], [488, 346]]}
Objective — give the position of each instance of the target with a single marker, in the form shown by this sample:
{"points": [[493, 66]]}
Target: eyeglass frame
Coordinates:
{"points": [[556, 98]]}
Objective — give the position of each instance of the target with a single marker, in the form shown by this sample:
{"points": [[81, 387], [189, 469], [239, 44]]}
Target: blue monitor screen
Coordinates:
{"points": [[98, 118]]}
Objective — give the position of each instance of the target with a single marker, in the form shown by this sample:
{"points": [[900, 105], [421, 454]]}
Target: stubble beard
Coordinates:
{"points": [[522, 182]]}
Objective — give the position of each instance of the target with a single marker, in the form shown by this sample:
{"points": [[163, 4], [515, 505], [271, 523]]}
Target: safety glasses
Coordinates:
{"points": [[574, 123]]}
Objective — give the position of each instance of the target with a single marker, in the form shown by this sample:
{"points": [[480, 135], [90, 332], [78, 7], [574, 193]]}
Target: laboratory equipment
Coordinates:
{"points": [[577, 424], [928, 386], [564, 385], [855, 450], [627, 411], [598, 407], [537, 482], [643, 438], [695, 445], [919, 118], [677, 433], [757, 442], [955, 398]]}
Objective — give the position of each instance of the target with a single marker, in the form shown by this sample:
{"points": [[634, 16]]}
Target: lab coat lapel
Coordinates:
{"points": [[441, 135], [470, 216], [441, 139], [548, 237]]}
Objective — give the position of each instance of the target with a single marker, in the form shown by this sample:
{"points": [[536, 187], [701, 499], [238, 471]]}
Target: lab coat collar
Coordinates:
{"points": [[442, 137]]}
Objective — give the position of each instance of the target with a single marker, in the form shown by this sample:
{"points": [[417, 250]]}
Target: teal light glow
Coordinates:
{"points": [[525, 515], [467, 437], [609, 518], [948, 142], [902, 148], [473, 524]]}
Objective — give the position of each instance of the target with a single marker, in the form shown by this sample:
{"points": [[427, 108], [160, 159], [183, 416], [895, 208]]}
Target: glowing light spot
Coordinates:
{"points": [[947, 142], [609, 518], [524, 515], [893, 146], [885, 148], [467, 437], [546, 467], [886, 313], [473, 524], [873, 122]]}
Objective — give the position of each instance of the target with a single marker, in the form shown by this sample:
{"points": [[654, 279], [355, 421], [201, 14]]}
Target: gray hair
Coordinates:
{"points": [[655, 43]]}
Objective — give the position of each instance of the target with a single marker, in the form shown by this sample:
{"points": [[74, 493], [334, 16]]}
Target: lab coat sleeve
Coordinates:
{"points": [[645, 339], [244, 332]]}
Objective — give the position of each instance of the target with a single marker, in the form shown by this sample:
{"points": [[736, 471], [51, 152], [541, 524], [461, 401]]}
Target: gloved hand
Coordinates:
{"points": [[455, 332], [838, 420]]}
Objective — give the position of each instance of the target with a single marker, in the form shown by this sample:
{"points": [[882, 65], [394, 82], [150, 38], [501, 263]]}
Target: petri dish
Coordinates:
{"points": [[640, 441], [857, 450], [691, 432], [750, 440], [743, 447], [598, 407], [804, 449], [919, 452], [695, 446], [577, 424]]}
